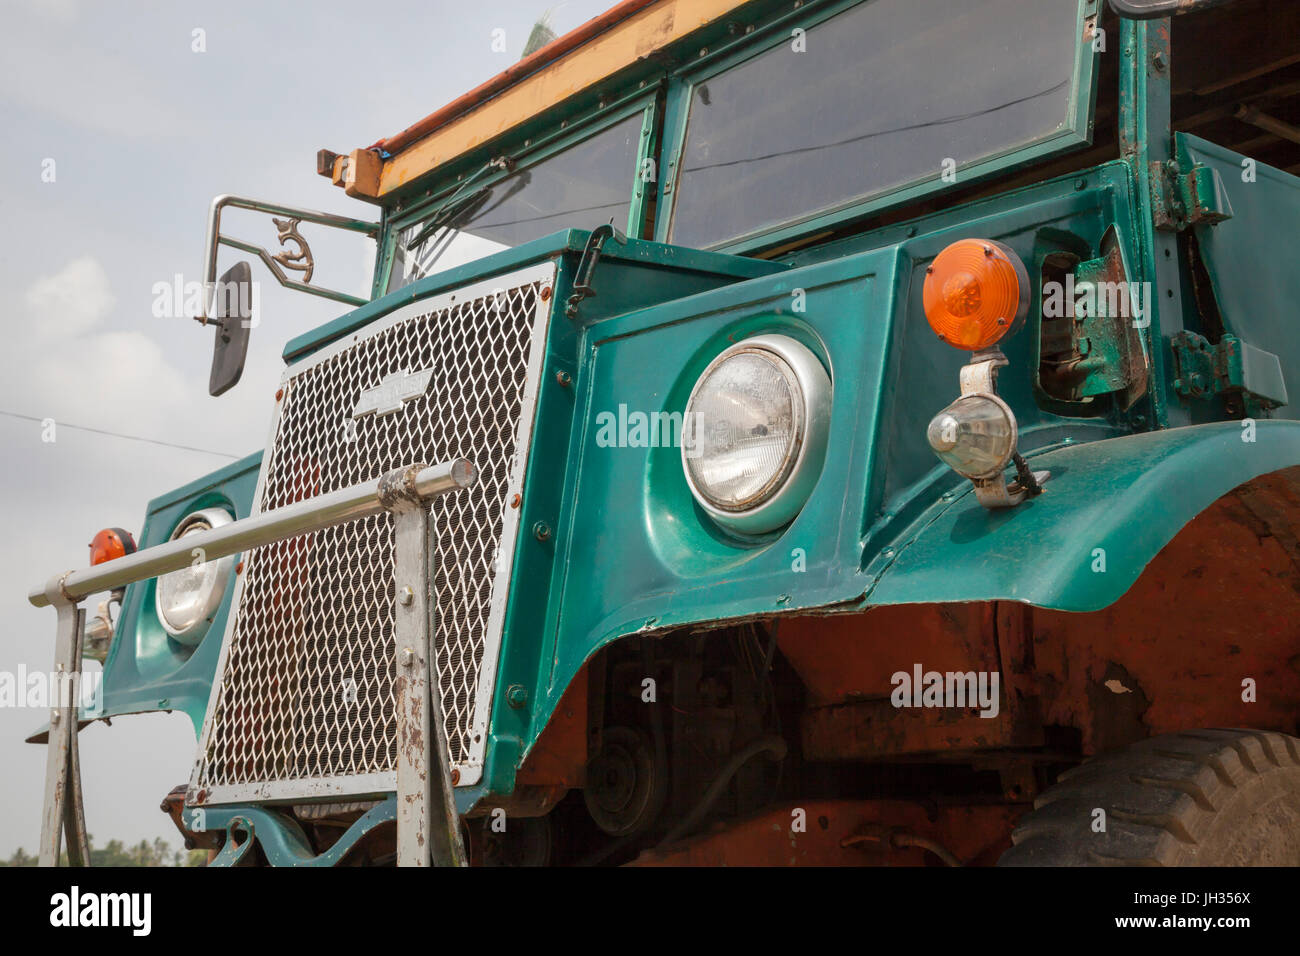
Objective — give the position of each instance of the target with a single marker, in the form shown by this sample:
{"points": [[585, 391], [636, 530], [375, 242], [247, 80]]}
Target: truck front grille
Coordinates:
{"points": [[303, 704]]}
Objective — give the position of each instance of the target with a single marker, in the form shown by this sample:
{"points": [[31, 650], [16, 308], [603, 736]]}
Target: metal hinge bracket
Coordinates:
{"points": [[1181, 199], [1229, 367]]}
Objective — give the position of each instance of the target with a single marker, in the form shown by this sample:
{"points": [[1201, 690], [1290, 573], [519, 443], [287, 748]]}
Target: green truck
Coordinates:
{"points": [[815, 431]]}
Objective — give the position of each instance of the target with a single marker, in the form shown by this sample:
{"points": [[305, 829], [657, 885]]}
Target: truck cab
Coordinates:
{"points": [[867, 439]]}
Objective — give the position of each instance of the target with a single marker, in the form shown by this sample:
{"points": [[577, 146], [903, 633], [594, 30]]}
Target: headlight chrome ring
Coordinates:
{"points": [[186, 600], [755, 433]]}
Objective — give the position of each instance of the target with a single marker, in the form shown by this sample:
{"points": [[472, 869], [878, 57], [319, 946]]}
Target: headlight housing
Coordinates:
{"points": [[755, 433], [186, 600]]}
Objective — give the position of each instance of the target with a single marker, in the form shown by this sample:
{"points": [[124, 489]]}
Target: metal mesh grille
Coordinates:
{"points": [[307, 687]]}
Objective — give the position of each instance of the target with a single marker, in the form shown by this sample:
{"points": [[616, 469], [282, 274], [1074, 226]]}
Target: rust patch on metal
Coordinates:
{"points": [[876, 729], [173, 805], [852, 657], [559, 757], [1117, 703], [976, 835], [1219, 604]]}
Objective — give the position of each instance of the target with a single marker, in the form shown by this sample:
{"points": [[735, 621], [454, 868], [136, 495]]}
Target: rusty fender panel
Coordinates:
{"points": [[851, 657], [847, 663], [1218, 607], [832, 836], [557, 763]]}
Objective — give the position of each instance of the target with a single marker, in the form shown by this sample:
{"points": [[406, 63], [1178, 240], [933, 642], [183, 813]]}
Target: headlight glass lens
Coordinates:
{"points": [[975, 436], [187, 598], [742, 428]]}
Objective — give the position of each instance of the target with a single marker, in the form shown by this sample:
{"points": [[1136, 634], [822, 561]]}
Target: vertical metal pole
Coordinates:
{"points": [[74, 815], [63, 722], [1147, 145], [428, 828]]}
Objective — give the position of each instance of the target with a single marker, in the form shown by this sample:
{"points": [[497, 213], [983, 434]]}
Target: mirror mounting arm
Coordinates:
{"points": [[297, 257]]}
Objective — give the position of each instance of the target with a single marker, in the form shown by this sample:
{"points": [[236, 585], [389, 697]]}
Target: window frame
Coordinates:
{"points": [[1074, 132], [530, 152]]}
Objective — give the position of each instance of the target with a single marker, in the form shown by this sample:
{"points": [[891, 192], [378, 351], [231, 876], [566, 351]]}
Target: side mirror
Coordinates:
{"points": [[232, 314]]}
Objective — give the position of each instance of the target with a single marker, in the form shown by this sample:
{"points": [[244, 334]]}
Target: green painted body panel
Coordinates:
{"points": [[1144, 139], [279, 836], [693, 269], [1129, 496], [146, 670], [862, 315], [1251, 257]]}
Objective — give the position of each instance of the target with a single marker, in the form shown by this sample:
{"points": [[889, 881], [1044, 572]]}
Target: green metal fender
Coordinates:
{"points": [[1127, 496], [282, 839]]}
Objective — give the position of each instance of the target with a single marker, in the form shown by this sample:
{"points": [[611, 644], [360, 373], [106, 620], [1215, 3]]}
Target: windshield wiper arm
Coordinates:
{"points": [[456, 202]]}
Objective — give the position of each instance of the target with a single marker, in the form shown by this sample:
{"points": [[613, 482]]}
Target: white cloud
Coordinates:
{"points": [[70, 302], [116, 380], [77, 369]]}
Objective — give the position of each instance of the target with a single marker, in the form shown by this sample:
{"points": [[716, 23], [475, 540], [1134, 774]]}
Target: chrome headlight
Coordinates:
{"points": [[187, 599], [755, 433]]}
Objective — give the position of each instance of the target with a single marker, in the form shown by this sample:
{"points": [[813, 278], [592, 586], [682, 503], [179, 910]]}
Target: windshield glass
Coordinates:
{"points": [[885, 94], [582, 187]]}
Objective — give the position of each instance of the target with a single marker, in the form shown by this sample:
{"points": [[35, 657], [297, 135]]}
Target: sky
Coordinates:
{"points": [[120, 123]]}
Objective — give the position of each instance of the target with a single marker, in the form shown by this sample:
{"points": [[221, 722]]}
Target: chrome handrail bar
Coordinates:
{"points": [[313, 514]]}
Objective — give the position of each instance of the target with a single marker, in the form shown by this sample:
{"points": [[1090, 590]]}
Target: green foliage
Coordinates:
{"points": [[20, 858], [116, 853]]}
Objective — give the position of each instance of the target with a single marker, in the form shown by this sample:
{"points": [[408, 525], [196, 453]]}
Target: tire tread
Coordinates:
{"points": [[1160, 797]]}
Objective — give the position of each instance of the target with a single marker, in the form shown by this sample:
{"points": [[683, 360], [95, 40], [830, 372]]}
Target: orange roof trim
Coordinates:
{"points": [[528, 65], [570, 64]]}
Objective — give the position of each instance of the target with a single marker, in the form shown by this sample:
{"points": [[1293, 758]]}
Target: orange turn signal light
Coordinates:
{"points": [[976, 292], [111, 543]]}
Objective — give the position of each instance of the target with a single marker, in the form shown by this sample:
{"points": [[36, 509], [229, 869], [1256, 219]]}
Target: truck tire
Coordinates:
{"points": [[1196, 798]]}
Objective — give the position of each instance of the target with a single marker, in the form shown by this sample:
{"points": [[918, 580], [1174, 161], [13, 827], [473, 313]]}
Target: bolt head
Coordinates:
{"points": [[405, 595]]}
